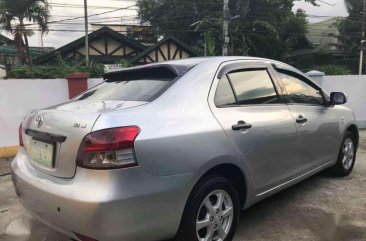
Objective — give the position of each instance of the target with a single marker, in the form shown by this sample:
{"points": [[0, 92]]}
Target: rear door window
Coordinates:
{"points": [[224, 93], [253, 87]]}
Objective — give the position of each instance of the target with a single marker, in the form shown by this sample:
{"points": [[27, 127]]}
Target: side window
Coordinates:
{"points": [[253, 87], [300, 92], [224, 94]]}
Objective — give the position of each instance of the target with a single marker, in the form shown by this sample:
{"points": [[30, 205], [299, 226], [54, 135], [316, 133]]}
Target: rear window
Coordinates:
{"points": [[145, 89]]}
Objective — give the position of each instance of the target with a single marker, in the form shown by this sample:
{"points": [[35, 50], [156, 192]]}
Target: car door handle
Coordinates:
{"points": [[241, 126], [301, 119]]}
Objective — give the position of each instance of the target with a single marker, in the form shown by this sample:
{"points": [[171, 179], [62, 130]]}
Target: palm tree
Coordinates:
{"points": [[19, 17]]}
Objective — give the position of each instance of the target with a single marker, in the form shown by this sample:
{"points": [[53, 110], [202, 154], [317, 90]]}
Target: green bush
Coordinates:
{"points": [[124, 62], [62, 69], [332, 69], [18, 73]]}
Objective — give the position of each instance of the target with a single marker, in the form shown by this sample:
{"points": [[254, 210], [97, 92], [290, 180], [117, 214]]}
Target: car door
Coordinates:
{"points": [[317, 124], [246, 102]]}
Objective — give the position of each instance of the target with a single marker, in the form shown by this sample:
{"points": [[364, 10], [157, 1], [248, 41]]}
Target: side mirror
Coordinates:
{"points": [[338, 98]]}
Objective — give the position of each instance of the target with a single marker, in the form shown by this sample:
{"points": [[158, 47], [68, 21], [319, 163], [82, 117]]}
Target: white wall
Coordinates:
{"points": [[94, 82], [354, 86], [18, 96]]}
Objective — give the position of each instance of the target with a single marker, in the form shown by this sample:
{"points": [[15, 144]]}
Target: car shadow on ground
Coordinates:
{"points": [[303, 212], [310, 210]]}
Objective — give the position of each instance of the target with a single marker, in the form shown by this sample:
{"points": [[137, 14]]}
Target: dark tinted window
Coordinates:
{"points": [[224, 93], [300, 92], [131, 90], [253, 87]]}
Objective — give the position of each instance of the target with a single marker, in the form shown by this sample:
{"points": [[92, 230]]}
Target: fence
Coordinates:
{"points": [[18, 96], [354, 86]]}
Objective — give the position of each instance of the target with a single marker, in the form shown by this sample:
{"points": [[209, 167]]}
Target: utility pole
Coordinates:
{"points": [[86, 33], [42, 45], [205, 48], [225, 29], [362, 37]]}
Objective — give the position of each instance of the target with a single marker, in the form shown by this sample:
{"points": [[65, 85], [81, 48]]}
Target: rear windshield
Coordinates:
{"points": [[128, 90]]}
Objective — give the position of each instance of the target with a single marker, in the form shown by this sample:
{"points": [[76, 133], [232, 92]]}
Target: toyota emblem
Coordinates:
{"points": [[39, 121]]}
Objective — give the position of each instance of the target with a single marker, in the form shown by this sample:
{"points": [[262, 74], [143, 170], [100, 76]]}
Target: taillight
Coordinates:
{"points": [[21, 135], [108, 149]]}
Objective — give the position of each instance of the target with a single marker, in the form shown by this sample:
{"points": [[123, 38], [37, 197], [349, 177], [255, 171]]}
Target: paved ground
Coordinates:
{"points": [[4, 166], [322, 208]]}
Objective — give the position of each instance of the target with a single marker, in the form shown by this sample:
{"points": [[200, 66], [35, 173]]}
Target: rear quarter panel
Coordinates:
{"points": [[179, 134]]}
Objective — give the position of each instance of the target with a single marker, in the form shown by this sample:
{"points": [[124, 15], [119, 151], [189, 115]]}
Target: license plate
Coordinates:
{"points": [[42, 153]]}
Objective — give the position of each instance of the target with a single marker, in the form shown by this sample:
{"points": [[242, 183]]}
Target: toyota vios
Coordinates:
{"points": [[178, 149]]}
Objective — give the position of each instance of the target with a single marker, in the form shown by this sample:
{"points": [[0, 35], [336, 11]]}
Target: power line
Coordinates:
{"points": [[92, 15], [188, 31], [181, 16], [81, 6], [67, 21]]}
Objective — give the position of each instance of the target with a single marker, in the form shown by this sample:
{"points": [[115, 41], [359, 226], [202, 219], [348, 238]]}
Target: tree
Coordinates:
{"points": [[260, 27], [349, 36], [210, 44], [332, 69], [18, 17], [177, 16], [269, 29], [353, 4]]}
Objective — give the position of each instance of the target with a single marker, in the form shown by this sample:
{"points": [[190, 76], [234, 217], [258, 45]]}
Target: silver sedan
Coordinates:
{"points": [[178, 149]]}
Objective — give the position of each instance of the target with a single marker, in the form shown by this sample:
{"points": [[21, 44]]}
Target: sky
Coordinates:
{"points": [[73, 29], [327, 8]]}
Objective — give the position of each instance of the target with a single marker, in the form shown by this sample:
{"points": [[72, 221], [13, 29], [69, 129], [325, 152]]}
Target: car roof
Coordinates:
{"points": [[180, 67], [175, 67]]}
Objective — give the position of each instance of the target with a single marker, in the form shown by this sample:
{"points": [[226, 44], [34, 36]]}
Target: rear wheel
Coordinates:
{"points": [[212, 211], [346, 157]]}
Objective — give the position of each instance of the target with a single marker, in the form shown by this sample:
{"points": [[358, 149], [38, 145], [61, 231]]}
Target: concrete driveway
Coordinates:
{"points": [[321, 208]]}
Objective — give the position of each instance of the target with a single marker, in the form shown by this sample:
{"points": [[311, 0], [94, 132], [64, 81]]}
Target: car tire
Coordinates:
{"points": [[346, 156], [204, 217]]}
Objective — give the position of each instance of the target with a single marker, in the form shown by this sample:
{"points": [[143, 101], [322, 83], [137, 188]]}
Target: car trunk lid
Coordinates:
{"points": [[53, 135]]}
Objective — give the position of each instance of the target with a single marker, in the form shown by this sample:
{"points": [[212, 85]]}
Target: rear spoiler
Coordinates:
{"points": [[150, 71]]}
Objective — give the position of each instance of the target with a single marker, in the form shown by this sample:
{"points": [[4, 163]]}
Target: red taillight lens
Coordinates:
{"points": [[108, 149], [21, 135]]}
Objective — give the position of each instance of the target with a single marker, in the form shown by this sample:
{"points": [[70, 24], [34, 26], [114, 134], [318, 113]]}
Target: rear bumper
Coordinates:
{"points": [[126, 204]]}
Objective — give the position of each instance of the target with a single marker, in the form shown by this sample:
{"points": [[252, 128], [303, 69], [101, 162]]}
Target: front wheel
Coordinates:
{"points": [[212, 211], [346, 157]]}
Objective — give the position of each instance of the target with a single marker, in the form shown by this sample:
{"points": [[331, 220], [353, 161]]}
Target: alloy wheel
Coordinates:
{"points": [[215, 217], [348, 151]]}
